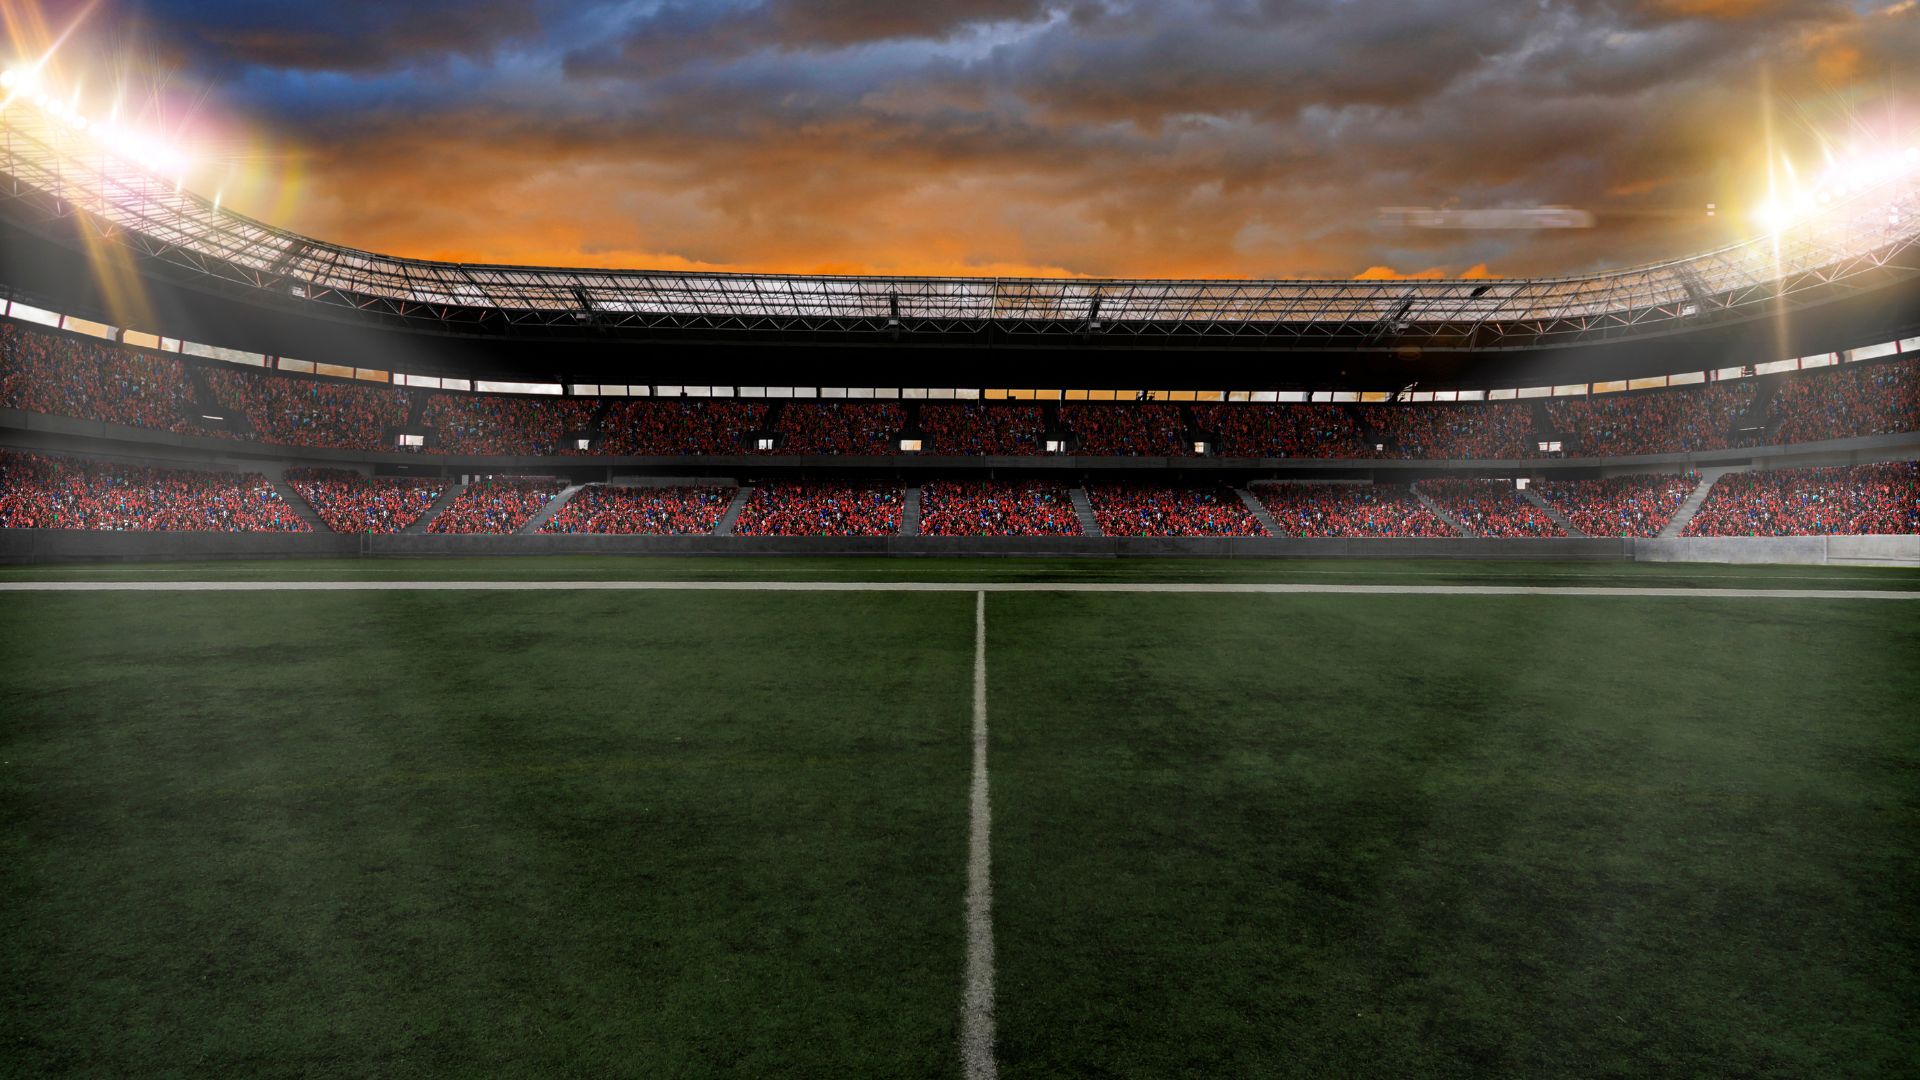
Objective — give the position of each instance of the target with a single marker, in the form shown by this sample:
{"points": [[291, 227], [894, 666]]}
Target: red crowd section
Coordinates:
{"points": [[1289, 431], [1851, 500], [642, 511], [674, 427], [977, 429], [1344, 510], [1493, 429], [840, 427], [1619, 505], [1669, 421], [821, 508], [1489, 508], [1127, 429], [518, 426], [63, 376], [352, 502], [52, 491], [495, 506], [300, 411], [1152, 510], [993, 508], [1875, 398]]}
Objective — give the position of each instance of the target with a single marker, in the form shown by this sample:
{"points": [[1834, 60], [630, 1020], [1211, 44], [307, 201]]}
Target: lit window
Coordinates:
{"points": [[910, 445], [1200, 447], [1379, 448], [1550, 446], [583, 444], [764, 442], [1521, 483], [1056, 446], [413, 440]]}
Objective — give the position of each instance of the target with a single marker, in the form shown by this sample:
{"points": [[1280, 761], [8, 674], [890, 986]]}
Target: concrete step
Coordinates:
{"points": [[440, 504], [1559, 518], [545, 513], [1694, 501], [910, 512], [1258, 510], [1083, 508], [300, 505], [739, 503], [1440, 512]]}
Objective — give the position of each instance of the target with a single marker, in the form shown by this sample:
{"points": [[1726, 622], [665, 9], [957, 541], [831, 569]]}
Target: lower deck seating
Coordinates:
{"points": [[822, 508], [1155, 510], [1349, 510], [495, 506], [56, 491], [1491, 508], [642, 511], [995, 508], [1855, 500], [352, 502], [1637, 506]]}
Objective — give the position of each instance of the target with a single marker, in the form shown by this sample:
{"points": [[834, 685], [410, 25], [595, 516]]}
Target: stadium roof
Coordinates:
{"points": [[1867, 240]]}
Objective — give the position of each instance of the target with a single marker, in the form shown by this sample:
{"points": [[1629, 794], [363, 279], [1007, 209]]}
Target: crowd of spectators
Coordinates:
{"points": [[495, 506], [1349, 510], [1274, 431], [352, 502], [94, 380], [1491, 429], [49, 491], [1155, 510], [645, 511], [489, 424], [1879, 397], [1619, 505], [981, 429], [840, 427], [673, 426], [1667, 421], [303, 410], [1489, 508], [1142, 428], [1843, 501], [821, 508], [997, 508]]}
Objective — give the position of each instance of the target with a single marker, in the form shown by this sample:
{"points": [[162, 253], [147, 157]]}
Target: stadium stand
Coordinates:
{"points": [[1348, 510], [352, 502], [1131, 429], [980, 429], [487, 424], [1619, 505], [306, 411], [676, 426], [48, 491], [1874, 398], [1283, 431], [1492, 429], [495, 506], [840, 427], [1666, 421], [649, 511], [1854, 500], [1156, 510], [1489, 508], [822, 508], [93, 380], [994, 508]]}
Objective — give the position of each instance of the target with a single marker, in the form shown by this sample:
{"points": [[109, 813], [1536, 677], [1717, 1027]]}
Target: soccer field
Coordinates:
{"points": [[552, 831]]}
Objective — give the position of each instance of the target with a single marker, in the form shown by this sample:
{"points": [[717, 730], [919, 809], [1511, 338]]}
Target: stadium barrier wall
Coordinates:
{"points": [[1805, 550]]}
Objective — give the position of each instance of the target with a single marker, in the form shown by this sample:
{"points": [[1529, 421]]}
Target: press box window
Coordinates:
{"points": [[1550, 446], [583, 444], [413, 440], [1056, 446], [911, 446], [764, 442]]}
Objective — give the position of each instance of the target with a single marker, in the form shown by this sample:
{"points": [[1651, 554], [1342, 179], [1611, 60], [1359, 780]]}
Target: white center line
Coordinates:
{"points": [[976, 1013]]}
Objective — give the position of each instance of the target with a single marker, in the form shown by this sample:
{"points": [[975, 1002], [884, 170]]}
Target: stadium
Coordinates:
{"points": [[419, 665]]}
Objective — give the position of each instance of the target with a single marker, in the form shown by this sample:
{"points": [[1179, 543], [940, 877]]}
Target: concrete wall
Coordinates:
{"points": [[1804, 550]]}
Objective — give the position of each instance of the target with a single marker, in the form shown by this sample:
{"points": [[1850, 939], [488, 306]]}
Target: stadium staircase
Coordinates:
{"points": [[545, 513], [300, 505], [1694, 501], [724, 527], [1435, 508], [1559, 518], [1259, 511], [445, 500], [1083, 509], [910, 511]]}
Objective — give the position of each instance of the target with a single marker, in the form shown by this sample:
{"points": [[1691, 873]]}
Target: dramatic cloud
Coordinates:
{"points": [[1103, 137]]}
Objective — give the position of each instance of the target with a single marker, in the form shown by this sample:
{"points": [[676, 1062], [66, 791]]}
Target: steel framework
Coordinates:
{"points": [[55, 172]]}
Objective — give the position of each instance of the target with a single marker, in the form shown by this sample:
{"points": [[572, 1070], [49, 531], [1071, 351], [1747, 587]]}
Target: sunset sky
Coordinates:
{"points": [[1085, 137]]}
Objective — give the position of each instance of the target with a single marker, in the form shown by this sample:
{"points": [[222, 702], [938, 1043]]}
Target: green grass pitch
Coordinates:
{"points": [[700, 833]]}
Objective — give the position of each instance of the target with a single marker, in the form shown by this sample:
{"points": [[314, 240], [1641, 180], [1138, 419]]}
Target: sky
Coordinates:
{"points": [[1179, 138]]}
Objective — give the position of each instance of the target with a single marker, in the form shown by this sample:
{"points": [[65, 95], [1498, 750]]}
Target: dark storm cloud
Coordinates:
{"points": [[1056, 136]]}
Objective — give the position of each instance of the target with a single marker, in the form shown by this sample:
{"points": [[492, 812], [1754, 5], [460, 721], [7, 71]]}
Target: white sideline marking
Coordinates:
{"points": [[976, 1011], [947, 586]]}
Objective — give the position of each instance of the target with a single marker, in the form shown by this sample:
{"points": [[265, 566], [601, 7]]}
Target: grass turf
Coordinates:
{"points": [[675, 834]]}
